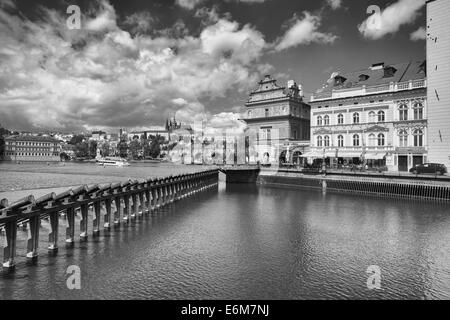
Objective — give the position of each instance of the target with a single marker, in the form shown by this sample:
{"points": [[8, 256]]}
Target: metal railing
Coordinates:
{"points": [[119, 202]]}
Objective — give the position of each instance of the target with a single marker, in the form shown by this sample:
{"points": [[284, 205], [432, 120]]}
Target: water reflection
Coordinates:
{"points": [[248, 242]]}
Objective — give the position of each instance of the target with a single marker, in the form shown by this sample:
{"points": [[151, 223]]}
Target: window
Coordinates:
{"points": [[250, 113], [381, 140], [418, 111], [319, 120], [340, 118], [340, 141], [326, 120], [403, 112], [372, 141], [371, 116], [381, 116], [319, 141], [326, 141], [356, 140], [266, 112], [403, 138], [418, 138], [356, 117]]}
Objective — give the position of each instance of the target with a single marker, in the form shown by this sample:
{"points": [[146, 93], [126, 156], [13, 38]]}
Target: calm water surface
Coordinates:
{"points": [[242, 242]]}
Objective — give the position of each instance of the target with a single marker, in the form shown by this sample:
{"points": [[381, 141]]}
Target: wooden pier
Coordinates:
{"points": [[117, 203]]}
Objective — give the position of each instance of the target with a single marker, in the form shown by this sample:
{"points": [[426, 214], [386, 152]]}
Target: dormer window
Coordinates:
{"points": [[363, 77], [389, 71], [339, 80]]}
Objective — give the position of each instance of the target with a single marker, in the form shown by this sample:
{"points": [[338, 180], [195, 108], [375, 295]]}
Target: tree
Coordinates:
{"points": [[105, 149], [3, 134], [92, 149], [123, 147], [81, 149], [76, 139], [135, 148], [154, 149]]}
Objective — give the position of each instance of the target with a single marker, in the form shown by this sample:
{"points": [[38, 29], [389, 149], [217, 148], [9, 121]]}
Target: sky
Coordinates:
{"points": [[135, 63]]}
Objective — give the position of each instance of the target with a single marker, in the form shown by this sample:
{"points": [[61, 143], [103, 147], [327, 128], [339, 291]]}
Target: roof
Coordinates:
{"points": [[31, 138], [404, 72]]}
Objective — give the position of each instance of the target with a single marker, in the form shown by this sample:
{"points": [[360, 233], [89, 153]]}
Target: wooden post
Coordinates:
{"points": [[9, 252], [70, 230], [53, 235], [84, 222], [107, 216], [126, 211], [33, 238], [96, 219], [117, 212]]}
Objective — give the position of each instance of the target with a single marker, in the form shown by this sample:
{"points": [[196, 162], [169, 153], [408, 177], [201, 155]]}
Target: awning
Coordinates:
{"points": [[349, 155], [374, 156], [312, 154]]}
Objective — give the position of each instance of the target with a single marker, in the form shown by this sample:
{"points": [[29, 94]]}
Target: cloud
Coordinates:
{"points": [[303, 31], [419, 34], [140, 22], [390, 19], [334, 4], [188, 4], [7, 4], [105, 77]]}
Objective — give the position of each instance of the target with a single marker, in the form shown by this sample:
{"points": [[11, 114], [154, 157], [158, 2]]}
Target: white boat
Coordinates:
{"points": [[112, 161]]}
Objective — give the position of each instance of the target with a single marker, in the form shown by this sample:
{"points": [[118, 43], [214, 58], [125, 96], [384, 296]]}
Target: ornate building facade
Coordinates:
{"points": [[279, 117], [375, 116]]}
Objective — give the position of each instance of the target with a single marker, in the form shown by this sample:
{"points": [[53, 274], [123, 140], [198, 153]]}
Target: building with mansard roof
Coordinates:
{"points": [[376, 116]]}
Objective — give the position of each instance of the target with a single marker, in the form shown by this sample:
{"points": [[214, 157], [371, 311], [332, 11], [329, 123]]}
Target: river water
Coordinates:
{"points": [[245, 242]]}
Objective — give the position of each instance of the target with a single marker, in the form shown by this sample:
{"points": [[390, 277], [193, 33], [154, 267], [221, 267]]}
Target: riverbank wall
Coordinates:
{"points": [[436, 190]]}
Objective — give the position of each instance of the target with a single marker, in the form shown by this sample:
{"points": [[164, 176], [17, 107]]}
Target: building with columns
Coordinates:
{"points": [[438, 78], [279, 117], [375, 116]]}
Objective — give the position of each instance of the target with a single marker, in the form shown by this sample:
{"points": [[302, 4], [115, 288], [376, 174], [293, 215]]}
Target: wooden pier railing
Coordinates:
{"points": [[118, 202]]}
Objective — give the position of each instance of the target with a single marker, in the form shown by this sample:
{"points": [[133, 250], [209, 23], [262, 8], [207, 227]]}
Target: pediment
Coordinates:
{"points": [[376, 128]]}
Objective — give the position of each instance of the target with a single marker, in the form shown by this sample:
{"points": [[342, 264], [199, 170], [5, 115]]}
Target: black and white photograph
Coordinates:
{"points": [[224, 154]]}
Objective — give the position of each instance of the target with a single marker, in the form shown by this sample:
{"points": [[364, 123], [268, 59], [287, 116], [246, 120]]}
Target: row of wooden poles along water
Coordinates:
{"points": [[117, 201]]}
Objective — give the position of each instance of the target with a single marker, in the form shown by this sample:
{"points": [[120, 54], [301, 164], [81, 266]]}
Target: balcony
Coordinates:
{"points": [[363, 91]]}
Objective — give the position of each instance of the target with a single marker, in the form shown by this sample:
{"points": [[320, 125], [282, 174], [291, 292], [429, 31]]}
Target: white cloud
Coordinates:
{"points": [[103, 77], [303, 31], [334, 4], [391, 19], [419, 34], [188, 4], [224, 39]]}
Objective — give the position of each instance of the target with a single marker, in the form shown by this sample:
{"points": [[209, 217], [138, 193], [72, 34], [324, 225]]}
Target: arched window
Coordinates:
{"points": [[372, 141], [403, 138], [319, 120], [418, 138], [356, 117], [340, 141], [319, 141], [371, 116], [381, 116], [340, 118], [356, 140], [326, 141], [326, 120], [381, 140], [418, 111], [403, 112]]}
